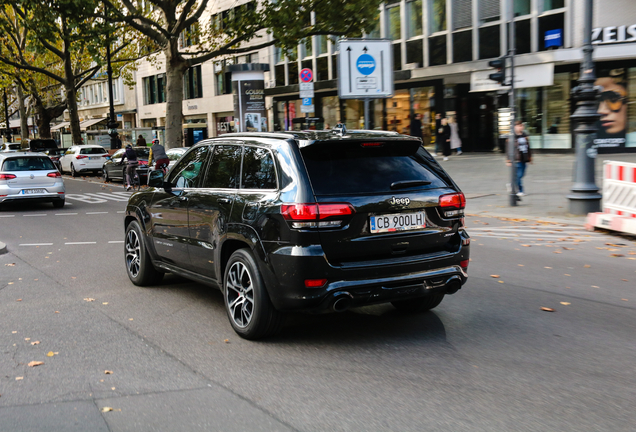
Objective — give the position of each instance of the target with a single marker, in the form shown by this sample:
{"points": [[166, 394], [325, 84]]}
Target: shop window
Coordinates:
{"points": [[330, 111], [437, 50], [394, 23], [414, 18], [549, 22], [292, 71], [557, 115], [397, 56], [462, 14], [553, 4], [424, 103], [279, 71], [437, 15], [192, 85], [489, 11], [631, 109], [489, 42], [462, 46], [415, 52], [522, 36], [522, 7], [322, 69]]}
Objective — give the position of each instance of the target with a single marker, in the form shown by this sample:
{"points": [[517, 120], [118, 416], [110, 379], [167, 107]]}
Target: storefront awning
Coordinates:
{"points": [[60, 126], [87, 123]]}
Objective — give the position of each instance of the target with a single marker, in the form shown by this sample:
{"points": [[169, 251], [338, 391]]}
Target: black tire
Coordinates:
{"points": [[139, 266], [247, 303], [58, 203], [105, 175], [420, 304], [73, 172]]}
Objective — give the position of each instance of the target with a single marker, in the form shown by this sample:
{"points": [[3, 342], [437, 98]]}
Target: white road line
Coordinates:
{"points": [[7, 216], [79, 243], [96, 212], [65, 214], [34, 215], [116, 241], [36, 244], [121, 211]]}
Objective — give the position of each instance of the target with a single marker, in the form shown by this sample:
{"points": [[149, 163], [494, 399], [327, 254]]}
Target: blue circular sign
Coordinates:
{"points": [[365, 64]]}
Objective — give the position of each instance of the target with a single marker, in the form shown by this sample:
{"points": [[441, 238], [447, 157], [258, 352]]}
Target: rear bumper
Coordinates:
{"points": [[49, 197], [53, 193], [290, 266]]}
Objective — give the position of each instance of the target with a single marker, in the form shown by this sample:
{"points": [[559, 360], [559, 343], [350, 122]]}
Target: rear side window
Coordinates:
{"points": [[354, 169], [28, 164], [14, 146], [258, 169], [224, 169], [92, 151]]}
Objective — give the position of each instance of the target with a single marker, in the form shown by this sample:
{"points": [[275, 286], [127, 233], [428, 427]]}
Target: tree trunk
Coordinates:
{"points": [[44, 116], [24, 125], [175, 68], [69, 87]]}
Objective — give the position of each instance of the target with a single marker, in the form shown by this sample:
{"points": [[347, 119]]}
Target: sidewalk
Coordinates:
{"points": [[483, 177]]}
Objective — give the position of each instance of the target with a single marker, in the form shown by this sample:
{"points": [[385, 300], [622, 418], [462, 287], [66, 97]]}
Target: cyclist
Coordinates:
{"points": [[131, 165], [159, 156]]}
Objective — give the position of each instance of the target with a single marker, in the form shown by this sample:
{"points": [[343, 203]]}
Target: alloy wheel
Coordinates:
{"points": [[133, 253], [240, 294]]}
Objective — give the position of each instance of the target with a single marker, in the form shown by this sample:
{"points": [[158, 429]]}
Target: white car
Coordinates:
{"points": [[174, 154], [8, 147], [27, 176], [82, 158]]}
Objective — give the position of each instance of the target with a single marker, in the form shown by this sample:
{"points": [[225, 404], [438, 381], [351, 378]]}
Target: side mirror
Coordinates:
{"points": [[155, 179]]}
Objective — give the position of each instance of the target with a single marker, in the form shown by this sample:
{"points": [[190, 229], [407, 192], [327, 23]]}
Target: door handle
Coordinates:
{"points": [[225, 200]]}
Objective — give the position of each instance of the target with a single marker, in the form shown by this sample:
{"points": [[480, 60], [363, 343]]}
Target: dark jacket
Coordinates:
{"points": [[130, 154], [416, 128], [523, 153]]}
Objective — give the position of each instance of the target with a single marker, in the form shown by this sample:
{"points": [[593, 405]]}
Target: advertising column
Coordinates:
{"points": [[248, 86]]}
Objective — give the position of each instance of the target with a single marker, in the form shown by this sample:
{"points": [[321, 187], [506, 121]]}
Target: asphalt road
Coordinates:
{"points": [[487, 359]]}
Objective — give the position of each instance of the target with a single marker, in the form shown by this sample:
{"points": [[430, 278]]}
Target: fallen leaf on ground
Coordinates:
{"points": [[547, 309], [631, 253], [226, 340], [10, 283], [587, 266], [27, 339], [500, 281], [130, 319], [624, 280], [35, 363], [19, 300], [88, 299], [594, 286], [14, 332], [106, 409], [494, 276], [557, 251], [10, 265], [567, 248], [565, 274], [50, 354], [521, 265], [566, 303], [35, 343], [101, 380], [617, 255], [19, 378], [526, 245], [547, 267], [57, 311], [112, 388], [624, 299], [105, 303], [108, 372]]}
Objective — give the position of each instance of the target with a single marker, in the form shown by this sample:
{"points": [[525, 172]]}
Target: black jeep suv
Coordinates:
{"points": [[310, 221]]}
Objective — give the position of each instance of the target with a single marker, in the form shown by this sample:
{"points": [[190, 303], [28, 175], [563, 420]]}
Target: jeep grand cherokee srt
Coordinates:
{"points": [[302, 221]]}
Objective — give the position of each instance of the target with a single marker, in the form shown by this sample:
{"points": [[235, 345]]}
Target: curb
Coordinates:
{"points": [[613, 222], [3, 248]]}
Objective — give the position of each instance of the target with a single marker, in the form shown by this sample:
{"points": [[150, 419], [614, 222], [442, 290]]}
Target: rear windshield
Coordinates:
{"points": [[28, 164], [14, 146], [357, 170], [143, 152], [92, 151]]}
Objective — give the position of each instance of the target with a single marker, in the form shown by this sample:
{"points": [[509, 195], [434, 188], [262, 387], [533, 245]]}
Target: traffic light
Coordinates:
{"points": [[500, 65]]}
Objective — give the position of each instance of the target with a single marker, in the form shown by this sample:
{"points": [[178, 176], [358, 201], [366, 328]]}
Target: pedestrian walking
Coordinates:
{"points": [[455, 141], [416, 126], [523, 155], [141, 141], [445, 137], [438, 134]]}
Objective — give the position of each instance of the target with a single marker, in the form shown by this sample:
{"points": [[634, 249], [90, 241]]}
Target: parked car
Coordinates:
{"points": [[6, 147], [115, 169], [83, 158], [26, 176], [42, 144], [174, 154], [302, 221], [55, 155]]}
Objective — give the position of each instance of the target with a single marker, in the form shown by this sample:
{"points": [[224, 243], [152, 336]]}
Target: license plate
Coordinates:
{"points": [[94, 157], [397, 222], [33, 191]]}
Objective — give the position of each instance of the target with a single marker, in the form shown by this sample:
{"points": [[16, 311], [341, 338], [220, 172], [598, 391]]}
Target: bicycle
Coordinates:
{"points": [[135, 182]]}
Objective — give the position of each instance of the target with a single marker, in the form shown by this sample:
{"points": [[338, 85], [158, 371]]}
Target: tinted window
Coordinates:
{"points": [[14, 146], [28, 164], [92, 150], [258, 169], [188, 170], [224, 169], [174, 156], [357, 170], [118, 154], [143, 152]]}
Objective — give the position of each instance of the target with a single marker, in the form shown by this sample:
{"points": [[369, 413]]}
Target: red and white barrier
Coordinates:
{"points": [[619, 199]]}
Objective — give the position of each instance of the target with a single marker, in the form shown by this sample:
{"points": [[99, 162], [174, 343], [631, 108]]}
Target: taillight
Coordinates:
{"points": [[143, 162], [105, 155], [315, 283], [372, 144], [316, 215], [81, 157], [7, 176], [54, 174], [464, 264], [452, 204]]}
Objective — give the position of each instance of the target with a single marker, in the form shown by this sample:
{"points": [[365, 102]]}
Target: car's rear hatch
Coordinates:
{"points": [[30, 172], [394, 188]]}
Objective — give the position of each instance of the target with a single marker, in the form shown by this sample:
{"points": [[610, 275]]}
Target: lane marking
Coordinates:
{"points": [[123, 211], [114, 196], [96, 213], [79, 243], [116, 241], [36, 244], [7, 216], [65, 214], [34, 215]]}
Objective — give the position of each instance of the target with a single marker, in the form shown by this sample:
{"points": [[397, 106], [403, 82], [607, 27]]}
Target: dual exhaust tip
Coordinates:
{"points": [[342, 301]]}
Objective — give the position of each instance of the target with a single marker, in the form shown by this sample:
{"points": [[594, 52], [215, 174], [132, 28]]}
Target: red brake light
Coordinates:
{"points": [[143, 162], [81, 157], [372, 144], [54, 174], [299, 212], [463, 264], [456, 200], [315, 283], [6, 176], [312, 215], [105, 155]]}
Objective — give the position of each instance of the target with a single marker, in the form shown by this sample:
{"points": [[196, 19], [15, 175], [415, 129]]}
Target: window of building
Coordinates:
{"points": [[489, 42], [189, 36], [437, 12], [415, 52], [462, 46], [522, 7], [322, 44], [306, 64], [292, 70], [522, 37], [553, 4], [397, 56], [192, 85], [150, 90], [222, 82], [279, 71], [306, 48], [375, 32], [334, 66], [489, 10], [322, 69], [414, 18], [462, 14], [437, 50], [278, 55], [549, 22], [394, 23]]}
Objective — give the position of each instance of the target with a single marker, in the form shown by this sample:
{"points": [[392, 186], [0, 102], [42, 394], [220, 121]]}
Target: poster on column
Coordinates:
{"points": [[612, 109], [252, 104]]}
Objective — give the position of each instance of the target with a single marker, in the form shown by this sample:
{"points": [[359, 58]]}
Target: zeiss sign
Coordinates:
{"points": [[613, 34], [365, 64]]}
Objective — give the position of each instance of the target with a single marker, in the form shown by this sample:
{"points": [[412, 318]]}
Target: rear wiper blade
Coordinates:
{"points": [[409, 183]]}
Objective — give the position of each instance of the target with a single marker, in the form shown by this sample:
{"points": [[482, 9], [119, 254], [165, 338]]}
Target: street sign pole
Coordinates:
{"points": [[366, 113], [306, 76], [511, 103]]}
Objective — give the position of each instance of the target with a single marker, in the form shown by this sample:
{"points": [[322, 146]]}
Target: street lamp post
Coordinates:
{"points": [[112, 120], [585, 197]]}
